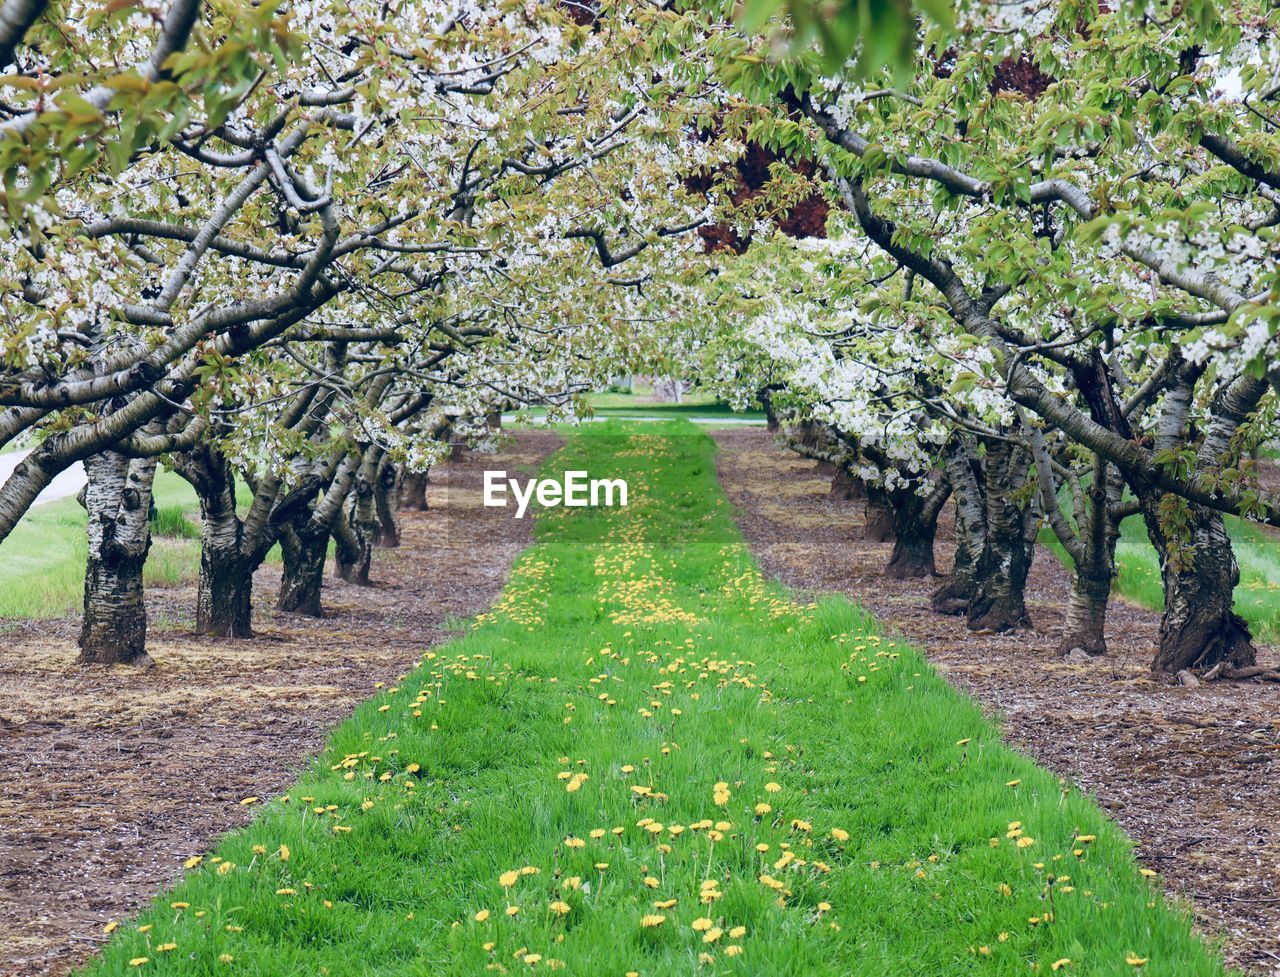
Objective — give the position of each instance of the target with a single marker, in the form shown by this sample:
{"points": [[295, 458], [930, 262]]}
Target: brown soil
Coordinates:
{"points": [[115, 776], [1193, 775]]}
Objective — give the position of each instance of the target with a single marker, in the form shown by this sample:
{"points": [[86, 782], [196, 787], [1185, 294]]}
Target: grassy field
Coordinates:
{"points": [[696, 404], [648, 760], [42, 560], [1257, 597]]}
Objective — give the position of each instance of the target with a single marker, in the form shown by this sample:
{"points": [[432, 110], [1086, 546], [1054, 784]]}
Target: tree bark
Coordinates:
{"points": [[386, 499], [846, 486], [1001, 570], [1087, 615], [954, 596], [304, 554], [354, 532], [915, 524], [772, 423], [1090, 543], [413, 491], [224, 598], [877, 524], [118, 500], [224, 607], [351, 551], [1198, 569]]}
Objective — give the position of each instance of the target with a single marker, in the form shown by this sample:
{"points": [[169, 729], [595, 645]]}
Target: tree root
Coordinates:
{"points": [[1223, 670]]}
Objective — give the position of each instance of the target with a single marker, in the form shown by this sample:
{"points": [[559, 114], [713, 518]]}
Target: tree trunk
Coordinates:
{"points": [[118, 500], [1092, 545], [225, 603], [386, 529], [1087, 615], [304, 555], [772, 424], [954, 596], [1001, 570], [915, 524], [354, 533], [1199, 629], [877, 524], [413, 491], [227, 563], [846, 486], [352, 552], [224, 598]]}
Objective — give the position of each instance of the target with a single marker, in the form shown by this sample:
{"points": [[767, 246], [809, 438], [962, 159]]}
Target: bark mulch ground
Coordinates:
{"points": [[1193, 775], [113, 777]]}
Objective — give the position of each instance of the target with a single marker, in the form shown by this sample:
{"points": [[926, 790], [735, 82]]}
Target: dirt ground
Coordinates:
{"points": [[1193, 775], [113, 777]]}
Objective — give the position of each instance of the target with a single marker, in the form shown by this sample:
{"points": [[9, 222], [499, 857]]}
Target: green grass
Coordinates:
{"points": [[174, 521], [695, 405], [608, 735], [1257, 596]]}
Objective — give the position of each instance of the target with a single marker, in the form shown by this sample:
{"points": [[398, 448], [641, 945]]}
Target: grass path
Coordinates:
{"points": [[649, 760]]}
